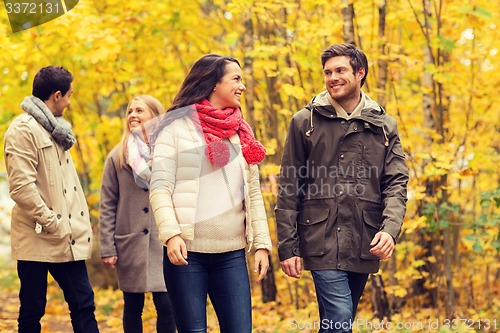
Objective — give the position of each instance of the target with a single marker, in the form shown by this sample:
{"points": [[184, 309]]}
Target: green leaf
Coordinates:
{"points": [[447, 44], [477, 11], [471, 237], [477, 247]]}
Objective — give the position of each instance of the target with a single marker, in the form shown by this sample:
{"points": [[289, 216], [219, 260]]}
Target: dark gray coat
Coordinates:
{"points": [[128, 230], [341, 182]]}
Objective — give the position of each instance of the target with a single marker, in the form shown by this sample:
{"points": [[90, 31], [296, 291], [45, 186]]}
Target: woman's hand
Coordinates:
{"points": [[261, 262], [110, 261], [177, 251]]}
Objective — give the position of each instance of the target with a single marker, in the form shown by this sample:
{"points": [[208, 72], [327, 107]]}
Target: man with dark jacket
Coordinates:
{"points": [[50, 227], [342, 189]]}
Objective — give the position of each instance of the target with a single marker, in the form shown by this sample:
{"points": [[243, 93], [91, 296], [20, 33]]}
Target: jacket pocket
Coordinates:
{"points": [[129, 249], [58, 236], [312, 226], [49, 158], [372, 219]]}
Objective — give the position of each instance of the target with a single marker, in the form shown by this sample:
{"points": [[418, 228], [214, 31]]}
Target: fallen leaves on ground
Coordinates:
{"points": [[281, 316]]}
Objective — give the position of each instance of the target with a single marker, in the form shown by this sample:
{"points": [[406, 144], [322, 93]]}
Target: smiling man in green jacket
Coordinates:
{"points": [[342, 189]]}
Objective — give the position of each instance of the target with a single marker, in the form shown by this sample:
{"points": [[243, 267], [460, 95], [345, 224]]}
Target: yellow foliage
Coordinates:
{"points": [[418, 263], [431, 259], [294, 91], [397, 291], [118, 49], [412, 224], [269, 169], [271, 146]]}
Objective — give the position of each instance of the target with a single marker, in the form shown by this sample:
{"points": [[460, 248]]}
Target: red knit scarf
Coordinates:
{"points": [[220, 124]]}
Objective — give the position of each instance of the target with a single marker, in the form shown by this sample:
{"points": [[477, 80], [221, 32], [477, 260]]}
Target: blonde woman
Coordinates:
{"points": [[129, 236]]}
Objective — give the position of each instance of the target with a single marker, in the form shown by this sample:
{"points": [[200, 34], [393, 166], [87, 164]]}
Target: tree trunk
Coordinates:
{"points": [[247, 46], [272, 110], [380, 304], [488, 289], [348, 19], [428, 84], [272, 100], [426, 237], [435, 116], [382, 62], [268, 284], [379, 299], [395, 302], [448, 267]]}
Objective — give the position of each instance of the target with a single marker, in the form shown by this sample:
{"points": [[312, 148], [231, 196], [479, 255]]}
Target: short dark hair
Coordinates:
{"points": [[201, 80], [50, 79], [357, 58]]}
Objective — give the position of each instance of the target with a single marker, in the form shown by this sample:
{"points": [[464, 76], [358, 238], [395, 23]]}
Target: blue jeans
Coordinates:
{"points": [[221, 276], [72, 278], [338, 294], [132, 312]]}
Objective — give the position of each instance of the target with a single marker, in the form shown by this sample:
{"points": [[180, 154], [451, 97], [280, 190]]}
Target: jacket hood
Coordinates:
{"points": [[371, 112]]}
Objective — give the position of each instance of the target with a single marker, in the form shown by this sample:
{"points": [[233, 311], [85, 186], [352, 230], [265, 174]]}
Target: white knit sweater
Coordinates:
{"points": [[220, 218], [176, 180]]}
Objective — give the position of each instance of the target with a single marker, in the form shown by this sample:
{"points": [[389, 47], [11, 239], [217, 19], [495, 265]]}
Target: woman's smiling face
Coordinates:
{"points": [[138, 112], [227, 92]]}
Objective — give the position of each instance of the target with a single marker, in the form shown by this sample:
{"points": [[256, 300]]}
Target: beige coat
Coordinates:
{"points": [[175, 183], [45, 187], [128, 230]]}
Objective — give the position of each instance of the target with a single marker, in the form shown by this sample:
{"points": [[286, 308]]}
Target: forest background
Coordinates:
{"points": [[433, 65]]}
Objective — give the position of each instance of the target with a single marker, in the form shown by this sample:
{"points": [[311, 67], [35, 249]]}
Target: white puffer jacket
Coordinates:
{"points": [[175, 177]]}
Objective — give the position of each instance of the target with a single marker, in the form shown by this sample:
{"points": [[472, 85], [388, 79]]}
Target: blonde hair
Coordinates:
{"points": [[156, 109]]}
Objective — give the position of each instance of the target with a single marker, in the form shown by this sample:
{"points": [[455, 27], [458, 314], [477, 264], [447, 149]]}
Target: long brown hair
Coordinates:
{"points": [[201, 80], [156, 109]]}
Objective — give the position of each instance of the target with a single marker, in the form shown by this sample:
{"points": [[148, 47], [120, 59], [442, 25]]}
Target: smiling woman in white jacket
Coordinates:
{"points": [[206, 198]]}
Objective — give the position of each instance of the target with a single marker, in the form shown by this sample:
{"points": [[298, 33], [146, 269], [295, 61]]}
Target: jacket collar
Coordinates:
{"points": [[371, 112]]}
